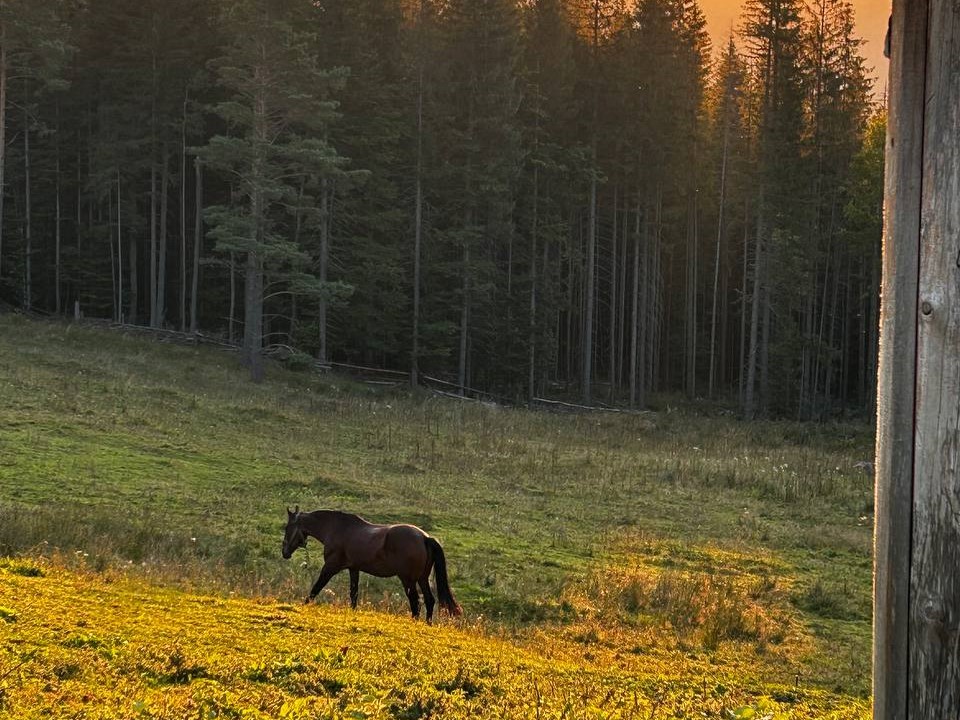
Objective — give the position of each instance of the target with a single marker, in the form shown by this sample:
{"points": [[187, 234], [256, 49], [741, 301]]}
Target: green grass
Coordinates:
{"points": [[134, 649], [126, 453]]}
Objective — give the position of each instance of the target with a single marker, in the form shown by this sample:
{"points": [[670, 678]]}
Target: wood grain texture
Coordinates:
{"points": [[897, 360], [934, 679]]}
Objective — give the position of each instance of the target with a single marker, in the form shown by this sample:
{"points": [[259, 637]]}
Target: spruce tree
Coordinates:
{"points": [[773, 34], [480, 154], [280, 103], [34, 47], [547, 116]]}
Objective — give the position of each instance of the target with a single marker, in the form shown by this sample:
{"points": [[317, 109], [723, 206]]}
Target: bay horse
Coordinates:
{"points": [[351, 543]]}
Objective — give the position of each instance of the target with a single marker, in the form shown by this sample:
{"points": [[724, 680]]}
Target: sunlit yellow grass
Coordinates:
{"points": [[79, 644]]}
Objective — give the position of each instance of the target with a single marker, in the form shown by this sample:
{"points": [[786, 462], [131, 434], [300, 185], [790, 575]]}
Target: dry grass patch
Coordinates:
{"points": [[671, 596]]}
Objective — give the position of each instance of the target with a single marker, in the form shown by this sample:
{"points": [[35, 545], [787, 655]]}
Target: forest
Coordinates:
{"points": [[577, 199]]}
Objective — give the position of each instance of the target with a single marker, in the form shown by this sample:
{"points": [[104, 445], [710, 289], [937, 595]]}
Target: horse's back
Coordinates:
{"points": [[386, 550]]}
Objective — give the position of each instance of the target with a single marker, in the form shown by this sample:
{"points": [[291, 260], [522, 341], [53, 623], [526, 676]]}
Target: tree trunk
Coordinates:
{"points": [[253, 316], [154, 318], [58, 301], [831, 333], [874, 320], [324, 258], [764, 360], [231, 333], [744, 289], [79, 228], [568, 320], [197, 241], [622, 285], [532, 328], [132, 261], [464, 317], [114, 270], [297, 232], [845, 338], [612, 370], [28, 211], [635, 379], [654, 281], [691, 303], [3, 124], [749, 393], [183, 220], [806, 334], [587, 340], [119, 253], [644, 333], [162, 250], [716, 261], [417, 230]]}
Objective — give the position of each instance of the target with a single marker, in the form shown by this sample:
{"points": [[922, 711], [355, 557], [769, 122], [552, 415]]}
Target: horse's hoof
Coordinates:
{"points": [[306, 600]]}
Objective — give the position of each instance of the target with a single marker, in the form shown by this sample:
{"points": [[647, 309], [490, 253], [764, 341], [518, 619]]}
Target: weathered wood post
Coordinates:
{"points": [[916, 656]]}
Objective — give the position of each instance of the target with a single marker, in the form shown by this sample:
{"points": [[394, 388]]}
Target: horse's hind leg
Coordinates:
{"points": [[428, 600], [411, 590], [354, 587]]}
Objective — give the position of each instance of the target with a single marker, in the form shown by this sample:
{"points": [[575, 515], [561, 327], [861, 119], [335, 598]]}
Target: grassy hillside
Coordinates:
{"points": [[653, 537], [127, 649]]}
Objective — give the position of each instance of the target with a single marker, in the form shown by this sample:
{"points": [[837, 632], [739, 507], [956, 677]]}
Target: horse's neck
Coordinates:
{"points": [[324, 525]]}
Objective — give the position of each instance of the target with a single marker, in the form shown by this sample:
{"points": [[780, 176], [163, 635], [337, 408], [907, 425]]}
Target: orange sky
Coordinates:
{"points": [[871, 20]]}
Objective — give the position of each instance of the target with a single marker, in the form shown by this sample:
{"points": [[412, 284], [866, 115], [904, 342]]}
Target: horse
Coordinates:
{"points": [[351, 543]]}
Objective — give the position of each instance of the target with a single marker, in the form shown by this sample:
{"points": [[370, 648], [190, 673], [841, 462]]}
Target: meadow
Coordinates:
{"points": [[673, 563]]}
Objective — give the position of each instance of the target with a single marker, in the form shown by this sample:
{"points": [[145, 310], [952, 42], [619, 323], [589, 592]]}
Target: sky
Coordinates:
{"points": [[722, 15]]}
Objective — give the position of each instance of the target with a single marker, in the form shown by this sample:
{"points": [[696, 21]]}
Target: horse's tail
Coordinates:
{"points": [[444, 593]]}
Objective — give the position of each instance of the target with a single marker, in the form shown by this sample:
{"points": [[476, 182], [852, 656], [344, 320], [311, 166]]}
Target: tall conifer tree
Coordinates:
{"points": [[279, 107]]}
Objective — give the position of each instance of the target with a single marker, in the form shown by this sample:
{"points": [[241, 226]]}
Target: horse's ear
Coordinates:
{"points": [[296, 509]]}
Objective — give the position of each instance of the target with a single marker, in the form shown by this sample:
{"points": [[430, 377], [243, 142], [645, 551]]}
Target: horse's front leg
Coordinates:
{"points": [[326, 572], [354, 587]]}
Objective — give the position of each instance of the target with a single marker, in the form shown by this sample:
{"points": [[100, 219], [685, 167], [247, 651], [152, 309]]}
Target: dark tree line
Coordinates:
{"points": [[568, 197]]}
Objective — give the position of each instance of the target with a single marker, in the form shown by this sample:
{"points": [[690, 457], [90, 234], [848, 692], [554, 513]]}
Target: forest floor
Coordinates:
{"points": [[673, 563]]}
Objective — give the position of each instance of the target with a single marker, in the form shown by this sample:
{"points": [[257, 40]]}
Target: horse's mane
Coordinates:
{"points": [[339, 514]]}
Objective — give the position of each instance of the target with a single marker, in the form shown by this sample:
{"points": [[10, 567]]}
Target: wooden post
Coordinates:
{"points": [[916, 657]]}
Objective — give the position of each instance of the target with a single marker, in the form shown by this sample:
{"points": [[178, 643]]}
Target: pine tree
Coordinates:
{"points": [[141, 60], [547, 117], [862, 232], [374, 128], [480, 156], [278, 95], [728, 158], [836, 110], [598, 23], [34, 46], [773, 33]]}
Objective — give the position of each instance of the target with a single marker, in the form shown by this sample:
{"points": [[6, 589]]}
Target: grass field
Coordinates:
{"points": [[689, 564]]}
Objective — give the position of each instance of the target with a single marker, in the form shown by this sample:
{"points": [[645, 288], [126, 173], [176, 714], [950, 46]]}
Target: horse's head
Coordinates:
{"points": [[294, 536]]}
